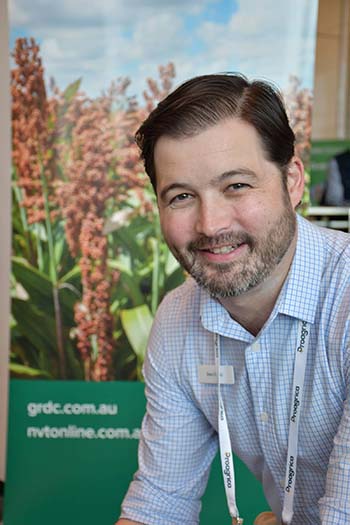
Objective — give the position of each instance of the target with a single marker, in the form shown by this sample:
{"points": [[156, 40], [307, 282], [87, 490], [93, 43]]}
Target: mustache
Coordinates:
{"points": [[207, 243]]}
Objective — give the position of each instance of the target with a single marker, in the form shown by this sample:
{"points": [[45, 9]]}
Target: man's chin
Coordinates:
{"points": [[219, 289], [225, 283]]}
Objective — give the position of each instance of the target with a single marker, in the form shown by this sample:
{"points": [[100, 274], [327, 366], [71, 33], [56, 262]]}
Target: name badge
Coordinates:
{"points": [[208, 374]]}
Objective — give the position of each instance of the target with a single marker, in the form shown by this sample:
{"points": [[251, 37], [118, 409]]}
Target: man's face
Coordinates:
{"points": [[224, 210]]}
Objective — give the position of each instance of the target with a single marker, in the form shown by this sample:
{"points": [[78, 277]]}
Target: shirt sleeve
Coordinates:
{"points": [[177, 443], [335, 504]]}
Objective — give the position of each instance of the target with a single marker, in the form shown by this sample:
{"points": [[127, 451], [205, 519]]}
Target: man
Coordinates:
{"points": [[266, 311]]}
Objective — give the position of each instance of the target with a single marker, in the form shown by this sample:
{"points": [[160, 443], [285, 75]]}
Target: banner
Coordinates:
{"points": [[89, 265]]}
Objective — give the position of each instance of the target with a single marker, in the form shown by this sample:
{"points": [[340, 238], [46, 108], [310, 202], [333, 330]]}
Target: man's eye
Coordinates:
{"points": [[237, 186], [180, 198]]}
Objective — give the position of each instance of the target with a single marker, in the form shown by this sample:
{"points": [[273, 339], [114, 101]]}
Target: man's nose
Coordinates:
{"points": [[214, 217]]}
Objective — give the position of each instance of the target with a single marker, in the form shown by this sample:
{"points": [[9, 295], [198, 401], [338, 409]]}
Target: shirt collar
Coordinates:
{"points": [[298, 297], [216, 319]]}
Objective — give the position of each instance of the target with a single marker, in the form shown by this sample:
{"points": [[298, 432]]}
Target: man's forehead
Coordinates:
{"points": [[231, 137]]}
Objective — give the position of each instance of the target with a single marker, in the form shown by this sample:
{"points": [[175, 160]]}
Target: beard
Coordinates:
{"points": [[232, 279]]}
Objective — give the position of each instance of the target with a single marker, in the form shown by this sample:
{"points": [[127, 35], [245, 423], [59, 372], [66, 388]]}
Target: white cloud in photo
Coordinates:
{"points": [[45, 14], [101, 40], [277, 41], [104, 39]]}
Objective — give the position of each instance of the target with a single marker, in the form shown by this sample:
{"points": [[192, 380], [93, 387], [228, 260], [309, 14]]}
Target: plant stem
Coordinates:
{"points": [[40, 259], [59, 331], [53, 277]]}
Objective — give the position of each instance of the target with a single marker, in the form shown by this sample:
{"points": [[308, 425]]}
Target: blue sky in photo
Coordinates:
{"points": [[101, 40]]}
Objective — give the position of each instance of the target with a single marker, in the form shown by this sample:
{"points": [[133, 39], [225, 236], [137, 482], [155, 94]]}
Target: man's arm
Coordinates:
{"points": [[177, 443], [176, 449], [335, 504]]}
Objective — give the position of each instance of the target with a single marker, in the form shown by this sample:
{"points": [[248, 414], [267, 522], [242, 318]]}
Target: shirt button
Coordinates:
{"points": [[255, 346], [264, 417]]}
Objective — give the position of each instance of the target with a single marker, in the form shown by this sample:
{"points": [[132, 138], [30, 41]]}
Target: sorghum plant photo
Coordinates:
{"points": [[89, 265]]}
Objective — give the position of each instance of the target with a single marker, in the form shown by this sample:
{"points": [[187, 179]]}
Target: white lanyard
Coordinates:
{"points": [[297, 396], [226, 455]]}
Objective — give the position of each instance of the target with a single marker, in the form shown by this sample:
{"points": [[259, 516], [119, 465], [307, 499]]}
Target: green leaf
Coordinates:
{"points": [[40, 289], [174, 280], [75, 369], [128, 241], [72, 275], [59, 246], [18, 370], [116, 264], [71, 90], [137, 324], [171, 264], [37, 284], [132, 288], [35, 326]]}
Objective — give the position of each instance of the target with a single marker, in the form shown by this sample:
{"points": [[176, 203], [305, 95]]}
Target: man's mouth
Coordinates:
{"points": [[223, 249], [223, 245]]}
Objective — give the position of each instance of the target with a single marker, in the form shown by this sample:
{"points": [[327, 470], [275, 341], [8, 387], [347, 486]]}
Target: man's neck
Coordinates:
{"points": [[253, 308]]}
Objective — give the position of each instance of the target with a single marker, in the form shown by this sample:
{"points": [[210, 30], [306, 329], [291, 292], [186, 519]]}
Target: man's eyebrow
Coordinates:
{"points": [[235, 172]]}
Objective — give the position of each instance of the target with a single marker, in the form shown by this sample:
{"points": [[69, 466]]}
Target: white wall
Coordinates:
{"points": [[5, 235], [331, 103]]}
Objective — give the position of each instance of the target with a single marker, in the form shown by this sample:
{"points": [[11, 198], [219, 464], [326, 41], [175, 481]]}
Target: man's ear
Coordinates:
{"points": [[295, 181]]}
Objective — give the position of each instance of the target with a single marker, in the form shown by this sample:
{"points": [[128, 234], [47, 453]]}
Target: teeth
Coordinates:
{"points": [[224, 249]]}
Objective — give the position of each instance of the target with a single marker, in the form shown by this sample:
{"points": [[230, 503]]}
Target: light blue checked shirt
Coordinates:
{"points": [[179, 432]]}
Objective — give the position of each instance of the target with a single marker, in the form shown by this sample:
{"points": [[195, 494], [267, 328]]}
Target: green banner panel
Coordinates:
{"points": [[72, 451]]}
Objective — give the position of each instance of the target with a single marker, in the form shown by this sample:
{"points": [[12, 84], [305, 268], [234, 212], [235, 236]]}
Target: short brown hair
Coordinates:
{"points": [[208, 99]]}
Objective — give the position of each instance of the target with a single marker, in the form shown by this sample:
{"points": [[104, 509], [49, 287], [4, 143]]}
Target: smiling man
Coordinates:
{"points": [[252, 352]]}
